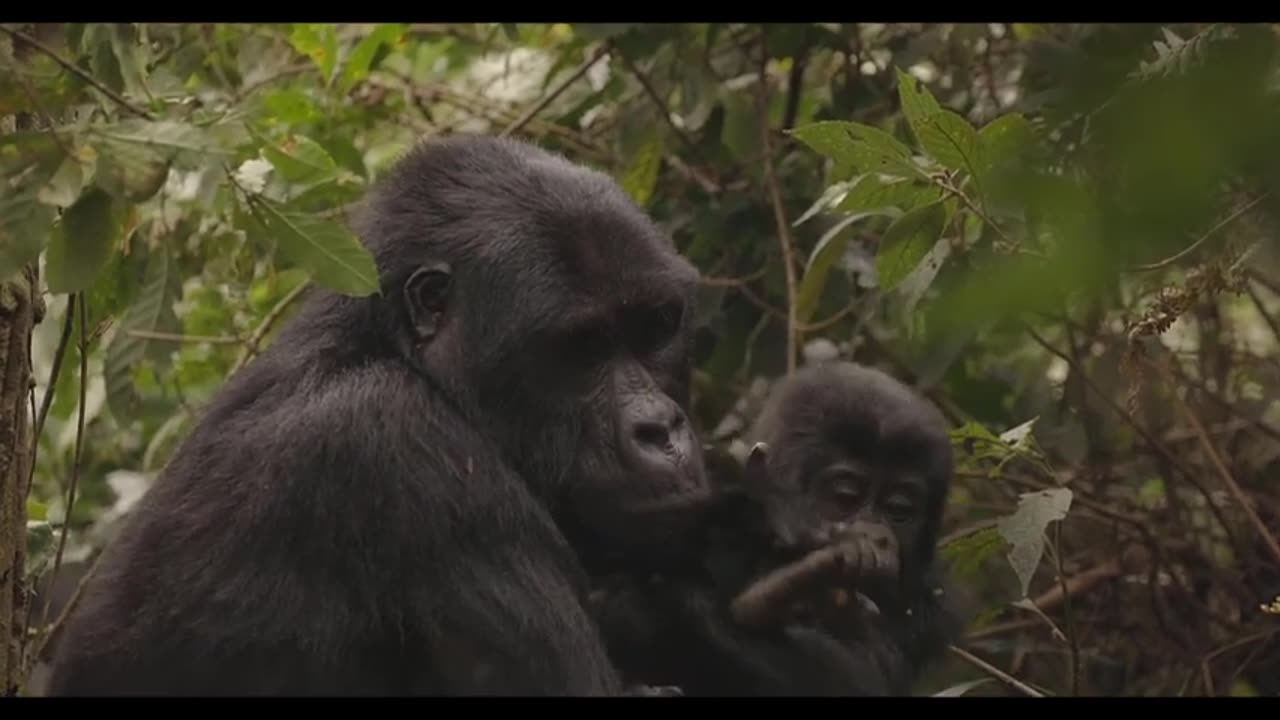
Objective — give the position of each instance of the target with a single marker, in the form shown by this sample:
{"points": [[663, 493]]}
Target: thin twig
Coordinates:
{"points": [[251, 345], [560, 87], [75, 70], [657, 100], [75, 462], [1205, 237], [1070, 632], [173, 337], [779, 212], [995, 672]]}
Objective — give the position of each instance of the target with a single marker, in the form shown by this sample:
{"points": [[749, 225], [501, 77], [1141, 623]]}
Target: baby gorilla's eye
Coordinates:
{"points": [[899, 509]]}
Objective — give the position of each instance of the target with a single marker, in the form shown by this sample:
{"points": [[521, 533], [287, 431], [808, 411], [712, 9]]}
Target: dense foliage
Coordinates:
{"points": [[1064, 234]]}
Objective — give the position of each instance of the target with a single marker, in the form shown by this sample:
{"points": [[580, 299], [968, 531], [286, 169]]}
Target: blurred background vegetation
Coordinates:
{"points": [[1064, 234]]}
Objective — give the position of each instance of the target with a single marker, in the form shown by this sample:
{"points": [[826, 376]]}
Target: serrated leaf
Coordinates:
{"points": [[330, 252], [951, 140], [917, 102], [877, 191], [1025, 529], [962, 688], [37, 511], [65, 185], [641, 175], [906, 242], [362, 56], [830, 248], [1017, 436], [301, 160], [83, 242], [152, 311]]}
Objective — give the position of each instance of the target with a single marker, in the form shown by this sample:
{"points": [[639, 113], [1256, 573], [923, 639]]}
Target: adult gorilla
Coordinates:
{"points": [[372, 506]]}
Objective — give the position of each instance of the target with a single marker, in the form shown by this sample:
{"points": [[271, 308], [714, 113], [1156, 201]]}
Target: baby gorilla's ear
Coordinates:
{"points": [[426, 295]]}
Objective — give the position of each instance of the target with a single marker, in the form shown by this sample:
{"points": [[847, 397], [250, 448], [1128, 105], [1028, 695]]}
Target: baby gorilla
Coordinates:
{"points": [[814, 564]]}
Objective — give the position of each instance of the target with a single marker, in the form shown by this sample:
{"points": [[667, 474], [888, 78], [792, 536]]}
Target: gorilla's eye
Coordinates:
{"points": [[656, 326], [845, 489], [899, 509]]}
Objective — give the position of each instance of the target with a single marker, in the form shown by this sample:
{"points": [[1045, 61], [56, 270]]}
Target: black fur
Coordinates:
{"points": [[374, 504], [674, 627]]}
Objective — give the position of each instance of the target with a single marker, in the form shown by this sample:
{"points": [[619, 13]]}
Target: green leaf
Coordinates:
{"points": [[152, 311], [830, 248], [37, 511], [65, 185], [24, 230], [741, 132], [866, 148], [40, 547], [301, 160], [906, 243], [131, 172], [966, 555], [876, 191], [334, 257], [951, 140], [601, 31], [641, 175], [361, 59], [83, 243], [917, 102], [124, 43], [1025, 529], [320, 43]]}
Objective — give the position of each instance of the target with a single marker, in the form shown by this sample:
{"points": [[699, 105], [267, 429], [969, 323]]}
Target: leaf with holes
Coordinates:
{"points": [[951, 140], [1025, 529], [152, 311], [906, 243], [328, 251], [917, 102], [878, 191], [84, 242]]}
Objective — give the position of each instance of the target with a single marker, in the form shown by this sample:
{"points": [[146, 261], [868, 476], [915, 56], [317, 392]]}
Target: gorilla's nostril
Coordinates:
{"points": [[651, 434], [882, 543]]}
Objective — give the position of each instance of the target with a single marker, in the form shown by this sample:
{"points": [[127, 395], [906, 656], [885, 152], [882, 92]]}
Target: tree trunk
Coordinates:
{"points": [[21, 307]]}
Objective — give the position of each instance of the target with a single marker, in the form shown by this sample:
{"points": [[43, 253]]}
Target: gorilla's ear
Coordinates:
{"points": [[426, 295]]}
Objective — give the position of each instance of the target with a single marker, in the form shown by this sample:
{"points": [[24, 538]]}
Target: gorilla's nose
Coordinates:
{"points": [[656, 434]]}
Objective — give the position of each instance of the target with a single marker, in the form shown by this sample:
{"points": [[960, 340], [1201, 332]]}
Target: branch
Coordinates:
{"points": [[251, 345], [1205, 237], [75, 70], [560, 87], [75, 462], [171, 337], [653, 95], [995, 672]]}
